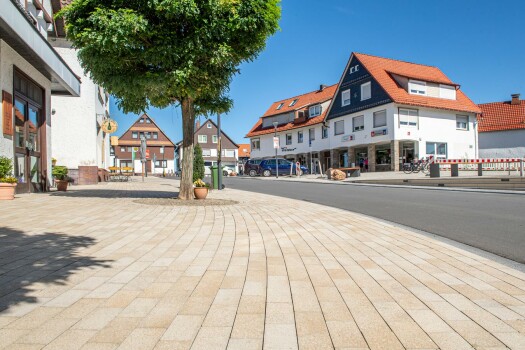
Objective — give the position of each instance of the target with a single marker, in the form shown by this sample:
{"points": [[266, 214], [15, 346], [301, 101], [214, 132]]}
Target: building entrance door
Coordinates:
{"points": [[27, 145], [408, 152]]}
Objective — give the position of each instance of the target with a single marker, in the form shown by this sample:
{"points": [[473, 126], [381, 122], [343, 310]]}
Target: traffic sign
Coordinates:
{"points": [[147, 154], [276, 142]]}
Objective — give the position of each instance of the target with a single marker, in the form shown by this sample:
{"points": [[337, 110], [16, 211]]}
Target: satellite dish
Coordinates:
{"points": [[109, 126]]}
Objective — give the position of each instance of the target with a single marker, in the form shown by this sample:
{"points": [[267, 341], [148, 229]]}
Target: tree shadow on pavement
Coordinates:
{"points": [[47, 259], [106, 193]]}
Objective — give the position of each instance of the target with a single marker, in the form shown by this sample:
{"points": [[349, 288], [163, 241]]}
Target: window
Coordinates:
{"points": [[339, 127], [206, 153], [293, 103], [256, 144], [208, 125], [141, 120], [299, 137], [436, 149], [134, 135], [155, 135], [230, 153], [203, 138], [315, 110], [161, 164], [112, 151], [366, 91], [122, 149], [345, 98], [324, 132], [408, 117], [311, 134], [462, 122], [214, 152], [416, 87], [148, 121], [214, 138], [147, 134], [130, 149], [379, 119], [447, 91], [288, 139], [358, 123], [280, 106]]}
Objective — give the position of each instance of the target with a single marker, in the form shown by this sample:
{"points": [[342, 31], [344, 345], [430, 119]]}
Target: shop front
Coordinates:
{"points": [[361, 155], [383, 157]]}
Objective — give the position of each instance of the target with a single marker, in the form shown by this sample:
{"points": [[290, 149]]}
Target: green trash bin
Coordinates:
{"points": [[215, 177]]}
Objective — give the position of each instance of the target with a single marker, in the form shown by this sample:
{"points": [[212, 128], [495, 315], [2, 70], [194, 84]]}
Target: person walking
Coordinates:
{"points": [[366, 164]]}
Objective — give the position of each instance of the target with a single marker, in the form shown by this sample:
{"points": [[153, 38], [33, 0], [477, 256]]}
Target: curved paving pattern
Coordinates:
{"points": [[94, 270]]}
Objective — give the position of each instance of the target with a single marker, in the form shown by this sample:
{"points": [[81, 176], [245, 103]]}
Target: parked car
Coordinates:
{"points": [[267, 167], [251, 167], [226, 170]]}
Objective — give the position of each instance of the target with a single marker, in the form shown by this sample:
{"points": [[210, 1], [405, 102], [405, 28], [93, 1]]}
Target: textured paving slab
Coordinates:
{"points": [[93, 269]]}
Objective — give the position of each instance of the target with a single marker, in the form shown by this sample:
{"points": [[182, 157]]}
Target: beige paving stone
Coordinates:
{"points": [[248, 326], [99, 346], [70, 339], [212, 338], [183, 328], [98, 319], [116, 331], [245, 344], [48, 332], [280, 336], [142, 339]]}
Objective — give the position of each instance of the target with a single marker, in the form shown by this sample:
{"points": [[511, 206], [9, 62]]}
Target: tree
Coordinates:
{"points": [[198, 163], [163, 52]]}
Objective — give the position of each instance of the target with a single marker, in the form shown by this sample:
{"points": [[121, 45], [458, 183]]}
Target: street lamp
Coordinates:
{"points": [[163, 167], [275, 146]]}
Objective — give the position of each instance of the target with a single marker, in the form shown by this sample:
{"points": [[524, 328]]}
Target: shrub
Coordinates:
{"points": [[198, 163], [6, 167], [60, 172]]}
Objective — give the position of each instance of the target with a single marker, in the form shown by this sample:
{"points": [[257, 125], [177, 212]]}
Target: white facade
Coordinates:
{"points": [[502, 144], [77, 138]]}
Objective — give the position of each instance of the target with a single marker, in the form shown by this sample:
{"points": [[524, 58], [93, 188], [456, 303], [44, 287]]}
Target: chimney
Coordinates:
{"points": [[197, 124], [515, 99], [322, 87]]}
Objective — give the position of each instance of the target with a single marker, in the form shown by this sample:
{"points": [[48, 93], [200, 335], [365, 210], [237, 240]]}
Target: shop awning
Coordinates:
{"points": [[18, 32]]}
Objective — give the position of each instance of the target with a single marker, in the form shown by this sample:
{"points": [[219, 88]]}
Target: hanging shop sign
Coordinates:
{"points": [[379, 132], [347, 138], [109, 126], [7, 102]]}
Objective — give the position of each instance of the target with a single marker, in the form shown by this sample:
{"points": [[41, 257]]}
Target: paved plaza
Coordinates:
{"points": [[94, 269]]}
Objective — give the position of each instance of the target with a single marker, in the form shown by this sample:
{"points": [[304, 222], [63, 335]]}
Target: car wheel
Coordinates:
{"points": [[252, 173], [225, 173], [267, 173]]}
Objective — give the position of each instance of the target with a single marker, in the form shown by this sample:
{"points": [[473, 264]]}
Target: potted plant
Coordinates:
{"points": [[60, 174], [200, 189], [7, 181], [53, 161]]}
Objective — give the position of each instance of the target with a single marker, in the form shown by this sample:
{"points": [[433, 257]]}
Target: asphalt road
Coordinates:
{"points": [[492, 222]]}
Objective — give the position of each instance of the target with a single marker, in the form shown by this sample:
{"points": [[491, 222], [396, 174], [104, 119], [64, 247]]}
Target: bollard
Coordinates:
{"points": [[434, 170], [521, 167], [480, 169], [454, 170]]}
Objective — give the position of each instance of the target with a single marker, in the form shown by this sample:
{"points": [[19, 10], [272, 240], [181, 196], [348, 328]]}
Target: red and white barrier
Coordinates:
{"points": [[477, 161]]}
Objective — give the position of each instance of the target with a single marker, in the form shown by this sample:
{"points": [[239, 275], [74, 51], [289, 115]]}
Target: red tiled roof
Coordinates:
{"points": [[303, 101], [308, 99], [244, 150], [499, 116], [381, 68]]}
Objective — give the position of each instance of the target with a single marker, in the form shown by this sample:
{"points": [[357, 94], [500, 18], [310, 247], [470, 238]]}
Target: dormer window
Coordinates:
{"points": [[293, 103], [315, 110], [280, 106], [416, 87]]}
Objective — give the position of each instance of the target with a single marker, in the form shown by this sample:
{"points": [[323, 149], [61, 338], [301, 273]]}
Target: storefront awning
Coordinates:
{"points": [[19, 33]]}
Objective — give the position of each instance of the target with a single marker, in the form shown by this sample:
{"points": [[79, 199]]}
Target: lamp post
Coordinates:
{"points": [[163, 167], [275, 146], [219, 153]]}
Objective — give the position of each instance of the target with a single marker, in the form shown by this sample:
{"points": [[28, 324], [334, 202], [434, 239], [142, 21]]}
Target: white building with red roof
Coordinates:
{"points": [[383, 112], [502, 129]]}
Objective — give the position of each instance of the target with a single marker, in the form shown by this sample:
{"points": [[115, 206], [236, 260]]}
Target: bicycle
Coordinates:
{"points": [[422, 165]]}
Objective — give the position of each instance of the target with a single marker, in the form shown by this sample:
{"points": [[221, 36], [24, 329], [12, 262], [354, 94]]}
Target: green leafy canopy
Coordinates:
{"points": [[157, 52]]}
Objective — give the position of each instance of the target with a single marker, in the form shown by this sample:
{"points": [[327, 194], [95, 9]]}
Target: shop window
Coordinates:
{"points": [[345, 98], [383, 155], [462, 122], [366, 91], [339, 127], [358, 123], [288, 139], [256, 144], [299, 137], [311, 134], [408, 117], [379, 119]]}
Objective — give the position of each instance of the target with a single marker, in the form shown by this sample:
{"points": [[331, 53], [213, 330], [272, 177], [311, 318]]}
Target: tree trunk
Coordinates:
{"points": [[188, 120]]}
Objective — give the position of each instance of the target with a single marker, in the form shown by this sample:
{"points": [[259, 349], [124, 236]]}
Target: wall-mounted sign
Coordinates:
{"points": [[109, 126], [347, 138], [286, 149], [7, 107], [379, 132], [354, 69]]}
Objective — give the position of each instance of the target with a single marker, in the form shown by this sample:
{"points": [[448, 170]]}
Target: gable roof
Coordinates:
{"points": [[244, 150], [222, 131], [303, 102], [381, 69], [498, 116], [151, 141]]}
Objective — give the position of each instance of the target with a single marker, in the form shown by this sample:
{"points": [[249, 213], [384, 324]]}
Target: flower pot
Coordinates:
{"points": [[61, 185], [200, 192], [7, 191]]}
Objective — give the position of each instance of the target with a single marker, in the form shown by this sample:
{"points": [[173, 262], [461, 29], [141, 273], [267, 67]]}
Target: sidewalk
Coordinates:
{"points": [[92, 269]]}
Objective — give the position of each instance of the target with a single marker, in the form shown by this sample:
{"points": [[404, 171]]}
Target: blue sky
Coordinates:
{"points": [[479, 44]]}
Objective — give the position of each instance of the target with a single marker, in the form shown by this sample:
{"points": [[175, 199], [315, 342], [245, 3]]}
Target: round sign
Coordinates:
{"points": [[109, 126]]}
